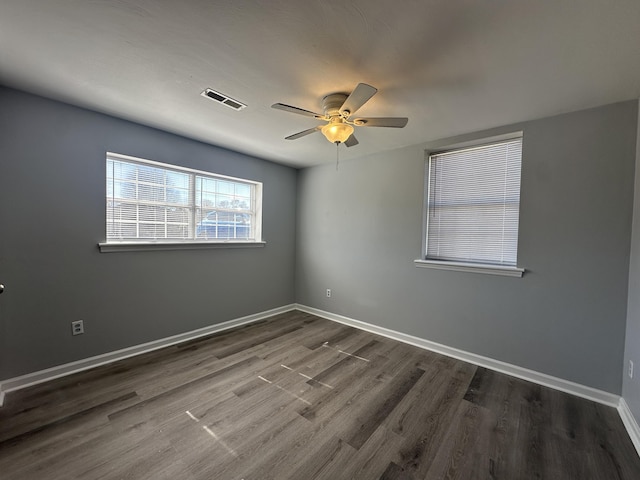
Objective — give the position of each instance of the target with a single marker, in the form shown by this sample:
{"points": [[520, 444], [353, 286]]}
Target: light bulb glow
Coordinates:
{"points": [[337, 131]]}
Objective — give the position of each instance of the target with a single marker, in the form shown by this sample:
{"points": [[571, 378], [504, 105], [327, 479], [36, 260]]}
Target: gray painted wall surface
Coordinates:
{"points": [[52, 215], [631, 387], [359, 230]]}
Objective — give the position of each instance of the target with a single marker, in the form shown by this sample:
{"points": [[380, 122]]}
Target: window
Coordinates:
{"points": [[150, 202], [473, 204]]}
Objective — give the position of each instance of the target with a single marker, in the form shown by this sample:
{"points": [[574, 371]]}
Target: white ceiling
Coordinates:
{"points": [[451, 66]]}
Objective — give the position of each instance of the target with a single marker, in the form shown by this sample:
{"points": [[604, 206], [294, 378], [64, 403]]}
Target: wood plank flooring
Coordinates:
{"points": [[299, 397]]}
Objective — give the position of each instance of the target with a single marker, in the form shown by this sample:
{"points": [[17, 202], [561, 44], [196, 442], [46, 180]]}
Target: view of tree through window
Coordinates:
{"points": [[149, 201]]}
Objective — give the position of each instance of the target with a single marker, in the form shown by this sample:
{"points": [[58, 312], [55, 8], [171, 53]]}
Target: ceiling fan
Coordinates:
{"points": [[338, 109]]}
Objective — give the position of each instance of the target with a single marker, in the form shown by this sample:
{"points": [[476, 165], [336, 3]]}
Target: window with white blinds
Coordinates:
{"points": [[154, 202], [473, 204]]}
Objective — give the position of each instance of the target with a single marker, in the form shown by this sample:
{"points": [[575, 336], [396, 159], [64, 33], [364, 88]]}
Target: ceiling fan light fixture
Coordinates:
{"points": [[338, 108], [337, 132]]}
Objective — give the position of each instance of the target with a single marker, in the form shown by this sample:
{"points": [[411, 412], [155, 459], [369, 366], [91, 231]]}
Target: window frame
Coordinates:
{"points": [[193, 243], [471, 267]]}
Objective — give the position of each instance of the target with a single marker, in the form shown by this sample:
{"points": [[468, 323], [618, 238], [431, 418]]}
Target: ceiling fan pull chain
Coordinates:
{"points": [[337, 154]]}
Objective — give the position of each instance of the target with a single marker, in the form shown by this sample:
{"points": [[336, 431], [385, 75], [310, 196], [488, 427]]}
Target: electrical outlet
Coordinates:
{"points": [[328, 292], [77, 327], [630, 369]]}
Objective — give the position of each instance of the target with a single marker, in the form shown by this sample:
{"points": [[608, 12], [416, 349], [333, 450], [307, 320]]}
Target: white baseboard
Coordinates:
{"points": [[599, 396], [589, 393], [41, 376], [556, 383], [630, 423]]}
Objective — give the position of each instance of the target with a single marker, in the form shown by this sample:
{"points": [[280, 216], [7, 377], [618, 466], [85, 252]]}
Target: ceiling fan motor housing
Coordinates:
{"points": [[331, 104]]}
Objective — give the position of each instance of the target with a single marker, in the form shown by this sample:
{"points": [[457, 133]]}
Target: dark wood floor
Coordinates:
{"points": [[299, 397]]}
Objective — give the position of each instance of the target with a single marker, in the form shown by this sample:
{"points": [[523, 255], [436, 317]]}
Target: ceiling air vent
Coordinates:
{"points": [[223, 99]]}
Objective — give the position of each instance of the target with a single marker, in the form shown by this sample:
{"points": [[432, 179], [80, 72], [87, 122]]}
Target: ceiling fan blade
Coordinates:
{"points": [[360, 95], [299, 111], [303, 133], [395, 122], [351, 141]]}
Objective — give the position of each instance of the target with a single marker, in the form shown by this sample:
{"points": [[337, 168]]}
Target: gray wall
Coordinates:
{"points": [[52, 215], [359, 230], [631, 387]]}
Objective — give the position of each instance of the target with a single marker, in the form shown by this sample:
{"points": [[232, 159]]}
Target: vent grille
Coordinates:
{"points": [[223, 99]]}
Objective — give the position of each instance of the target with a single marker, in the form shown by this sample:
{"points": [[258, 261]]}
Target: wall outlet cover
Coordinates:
{"points": [[77, 327]]}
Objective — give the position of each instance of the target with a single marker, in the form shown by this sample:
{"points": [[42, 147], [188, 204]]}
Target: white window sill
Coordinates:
{"points": [[146, 246], [471, 267]]}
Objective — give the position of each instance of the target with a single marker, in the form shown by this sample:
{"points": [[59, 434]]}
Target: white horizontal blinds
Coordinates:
{"points": [[474, 203], [224, 209], [151, 202], [147, 202]]}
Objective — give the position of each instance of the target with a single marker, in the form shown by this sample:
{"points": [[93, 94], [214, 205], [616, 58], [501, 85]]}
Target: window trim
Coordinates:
{"points": [[468, 267], [506, 271], [114, 245], [151, 246]]}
